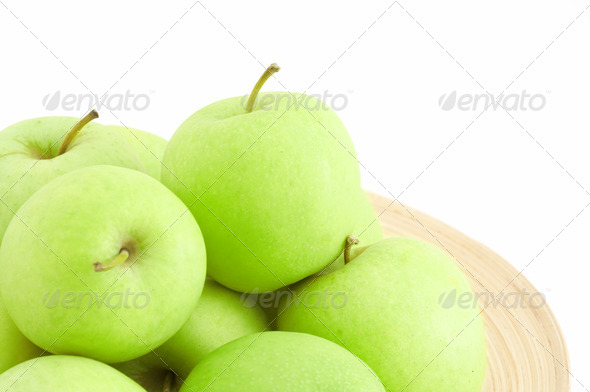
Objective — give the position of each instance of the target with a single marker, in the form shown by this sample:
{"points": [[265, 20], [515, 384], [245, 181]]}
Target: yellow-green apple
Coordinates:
{"points": [[65, 373], [282, 361], [15, 347], [391, 319], [34, 152], [103, 262], [275, 186]]}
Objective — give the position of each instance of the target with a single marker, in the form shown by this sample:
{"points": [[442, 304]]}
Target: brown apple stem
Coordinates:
{"points": [[118, 260], [273, 68], [168, 382], [75, 130], [350, 241]]}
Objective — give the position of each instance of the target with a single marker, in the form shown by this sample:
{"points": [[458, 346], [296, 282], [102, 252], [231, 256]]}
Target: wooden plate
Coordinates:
{"points": [[526, 349]]}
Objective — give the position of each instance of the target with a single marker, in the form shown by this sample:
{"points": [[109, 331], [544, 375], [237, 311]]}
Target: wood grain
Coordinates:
{"points": [[526, 349]]}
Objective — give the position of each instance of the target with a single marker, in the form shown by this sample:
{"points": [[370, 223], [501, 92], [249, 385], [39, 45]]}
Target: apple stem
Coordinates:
{"points": [[350, 241], [118, 260], [273, 68], [75, 130]]}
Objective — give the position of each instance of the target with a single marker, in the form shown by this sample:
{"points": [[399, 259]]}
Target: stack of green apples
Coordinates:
{"points": [[128, 263]]}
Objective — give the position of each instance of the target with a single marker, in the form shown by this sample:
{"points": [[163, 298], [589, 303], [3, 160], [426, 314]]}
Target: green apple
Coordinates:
{"points": [[65, 373], [389, 316], [148, 146], [277, 184], [103, 262], [33, 152], [281, 361], [15, 347], [219, 317]]}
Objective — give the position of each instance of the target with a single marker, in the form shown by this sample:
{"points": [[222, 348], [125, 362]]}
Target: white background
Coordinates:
{"points": [[516, 180]]}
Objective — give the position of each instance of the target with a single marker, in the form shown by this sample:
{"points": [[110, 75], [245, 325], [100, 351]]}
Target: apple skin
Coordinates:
{"points": [[65, 373], [88, 216], [23, 144], [16, 348], [368, 231], [219, 317], [392, 319], [279, 188], [281, 361], [149, 148]]}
